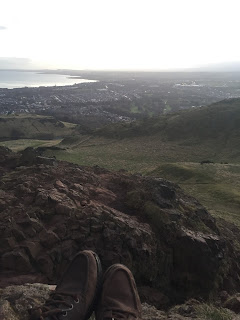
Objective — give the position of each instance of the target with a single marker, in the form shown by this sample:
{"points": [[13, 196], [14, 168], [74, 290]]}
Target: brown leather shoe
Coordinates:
{"points": [[119, 298], [76, 293]]}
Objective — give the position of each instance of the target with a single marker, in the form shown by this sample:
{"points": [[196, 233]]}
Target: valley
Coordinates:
{"points": [[171, 146]]}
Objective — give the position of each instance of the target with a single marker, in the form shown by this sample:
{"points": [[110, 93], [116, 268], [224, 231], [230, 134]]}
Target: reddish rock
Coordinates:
{"points": [[18, 234], [8, 244], [224, 296], [17, 261], [64, 209], [32, 248], [78, 187], [3, 205], [45, 264], [41, 197], [48, 238], [170, 242], [61, 186], [154, 297], [233, 303], [55, 196]]}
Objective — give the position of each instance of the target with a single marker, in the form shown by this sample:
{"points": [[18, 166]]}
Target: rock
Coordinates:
{"points": [[18, 234], [195, 272], [8, 159], [7, 312], [32, 248], [11, 279], [170, 242], [8, 244], [60, 185], [16, 300], [188, 309], [64, 209], [233, 303], [41, 197], [154, 297], [48, 238], [224, 296], [45, 264], [151, 313], [17, 261], [46, 160]]}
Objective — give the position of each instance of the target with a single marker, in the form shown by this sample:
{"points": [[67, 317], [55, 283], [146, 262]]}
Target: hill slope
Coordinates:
{"points": [[172, 147], [217, 121], [32, 127], [207, 133]]}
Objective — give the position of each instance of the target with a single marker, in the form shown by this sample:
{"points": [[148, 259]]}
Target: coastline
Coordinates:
{"points": [[20, 79]]}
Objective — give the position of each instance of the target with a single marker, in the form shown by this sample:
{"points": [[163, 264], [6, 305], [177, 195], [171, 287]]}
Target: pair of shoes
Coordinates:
{"points": [[82, 291]]}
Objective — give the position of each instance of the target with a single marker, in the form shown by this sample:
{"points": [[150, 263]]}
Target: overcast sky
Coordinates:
{"points": [[120, 34]]}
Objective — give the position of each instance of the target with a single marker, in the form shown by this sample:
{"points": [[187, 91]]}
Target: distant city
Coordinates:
{"points": [[121, 96]]}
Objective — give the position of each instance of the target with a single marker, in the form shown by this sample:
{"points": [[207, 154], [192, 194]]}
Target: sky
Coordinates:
{"points": [[119, 34]]}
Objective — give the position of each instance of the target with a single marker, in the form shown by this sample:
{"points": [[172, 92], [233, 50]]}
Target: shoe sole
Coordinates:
{"points": [[98, 286]]}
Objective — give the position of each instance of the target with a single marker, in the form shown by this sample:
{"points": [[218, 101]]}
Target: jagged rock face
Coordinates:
{"points": [[50, 212]]}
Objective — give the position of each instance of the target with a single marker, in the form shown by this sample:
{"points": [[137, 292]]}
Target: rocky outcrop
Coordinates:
{"points": [[233, 303], [51, 211], [8, 159]]}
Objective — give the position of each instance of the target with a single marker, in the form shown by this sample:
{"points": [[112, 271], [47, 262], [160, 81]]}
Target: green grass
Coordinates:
{"points": [[28, 126], [185, 172], [210, 312], [171, 147], [69, 125], [134, 109], [167, 109], [212, 131], [21, 144], [216, 186], [137, 154]]}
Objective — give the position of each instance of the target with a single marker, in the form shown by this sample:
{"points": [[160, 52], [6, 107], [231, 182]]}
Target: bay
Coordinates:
{"points": [[11, 79]]}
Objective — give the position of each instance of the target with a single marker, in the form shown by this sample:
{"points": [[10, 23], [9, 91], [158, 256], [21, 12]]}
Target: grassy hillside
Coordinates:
{"points": [[170, 146], [220, 121], [21, 144], [138, 154], [207, 133], [32, 127], [216, 186]]}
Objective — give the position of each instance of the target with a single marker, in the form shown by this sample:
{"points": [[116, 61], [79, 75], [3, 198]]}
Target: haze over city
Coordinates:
{"points": [[136, 34]]}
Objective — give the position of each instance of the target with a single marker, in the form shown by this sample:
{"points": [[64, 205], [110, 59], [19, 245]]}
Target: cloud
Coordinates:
{"points": [[2, 28]]}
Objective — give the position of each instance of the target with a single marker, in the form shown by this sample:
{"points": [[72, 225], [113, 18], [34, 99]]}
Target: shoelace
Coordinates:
{"points": [[51, 306], [118, 315]]}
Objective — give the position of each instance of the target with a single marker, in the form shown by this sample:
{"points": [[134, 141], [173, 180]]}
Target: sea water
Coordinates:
{"points": [[20, 79]]}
